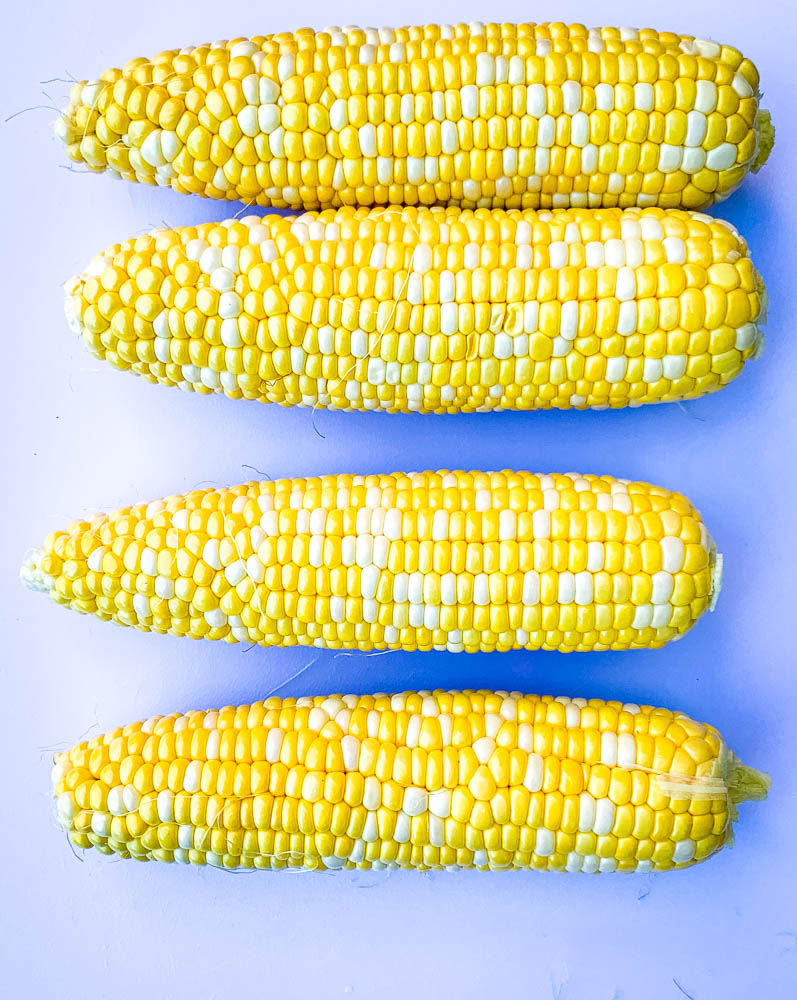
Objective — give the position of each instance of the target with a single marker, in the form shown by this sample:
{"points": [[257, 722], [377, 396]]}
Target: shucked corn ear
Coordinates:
{"points": [[445, 560], [497, 115], [430, 309], [416, 780]]}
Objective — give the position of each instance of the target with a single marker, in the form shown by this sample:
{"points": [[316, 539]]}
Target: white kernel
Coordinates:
{"points": [[614, 251], [651, 228], [546, 132], [273, 745], [586, 812], [535, 100], [415, 801], [707, 48], [721, 158], [643, 96], [531, 588], [531, 312], [541, 524], [662, 587], [422, 258], [222, 279], [372, 793], [596, 555], [622, 502], [534, 773], [286, 67], [268, 118], [604, 816], [485, 69], [684, 851], [132, 798], [367, 139], [706, 96], [507, 525], [469, 101], [662, 613], [165, 805], [589, 159], [672, 554], [695, 129], [604, 97], [573, 862], [568, 323], [550, 498], [579, 129], [675, 249], [595, 254], [210, 260], [627, 318], [545, 843], [413, 731], [746, 336], [483, 748], [440, 803], [584, 590], [350, 749], [230, 305], [609, 748], [116, 805], [567, 587], [652, 370], [210, 553], [216, 618], [741, 86], [669, 157], [370, 832], [557, 254], [625, 289], [481, 593], [626, 750], [571, 96], [643, 616], [673, 366], [151, 151]]}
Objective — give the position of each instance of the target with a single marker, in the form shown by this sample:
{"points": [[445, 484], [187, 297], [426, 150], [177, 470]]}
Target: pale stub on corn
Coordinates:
{"points": [[444, 779], [431, 310], [496, 115], [433, 560]]}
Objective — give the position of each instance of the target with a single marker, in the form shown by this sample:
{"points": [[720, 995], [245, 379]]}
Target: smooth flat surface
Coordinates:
{"points": [[79, 435]]}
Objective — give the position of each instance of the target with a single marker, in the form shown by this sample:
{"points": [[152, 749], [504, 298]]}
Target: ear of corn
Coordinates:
{"points": [[422, 780], [475, 115], [444, 560], [430, 309]]}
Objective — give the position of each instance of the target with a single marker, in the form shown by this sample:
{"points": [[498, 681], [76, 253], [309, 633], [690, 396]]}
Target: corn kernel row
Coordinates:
{"points": [[525, 115], [431, 310], [434, 560], [444, 779]]}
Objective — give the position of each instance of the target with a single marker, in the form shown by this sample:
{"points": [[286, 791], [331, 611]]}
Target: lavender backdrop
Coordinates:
{"points": [[79, 435]]}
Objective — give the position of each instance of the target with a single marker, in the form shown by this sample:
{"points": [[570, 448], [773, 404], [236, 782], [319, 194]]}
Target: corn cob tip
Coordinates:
{"points": [[745, 784], [766, 139], [31, 574]]}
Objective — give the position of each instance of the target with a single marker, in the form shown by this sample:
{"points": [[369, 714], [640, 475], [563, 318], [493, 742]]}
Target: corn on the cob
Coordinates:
{"points": [[430, 309], [491, 780], [497, 115], [445, 560]]}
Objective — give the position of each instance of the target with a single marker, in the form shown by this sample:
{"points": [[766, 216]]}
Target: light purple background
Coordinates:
{"points": [[79, 435]]}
